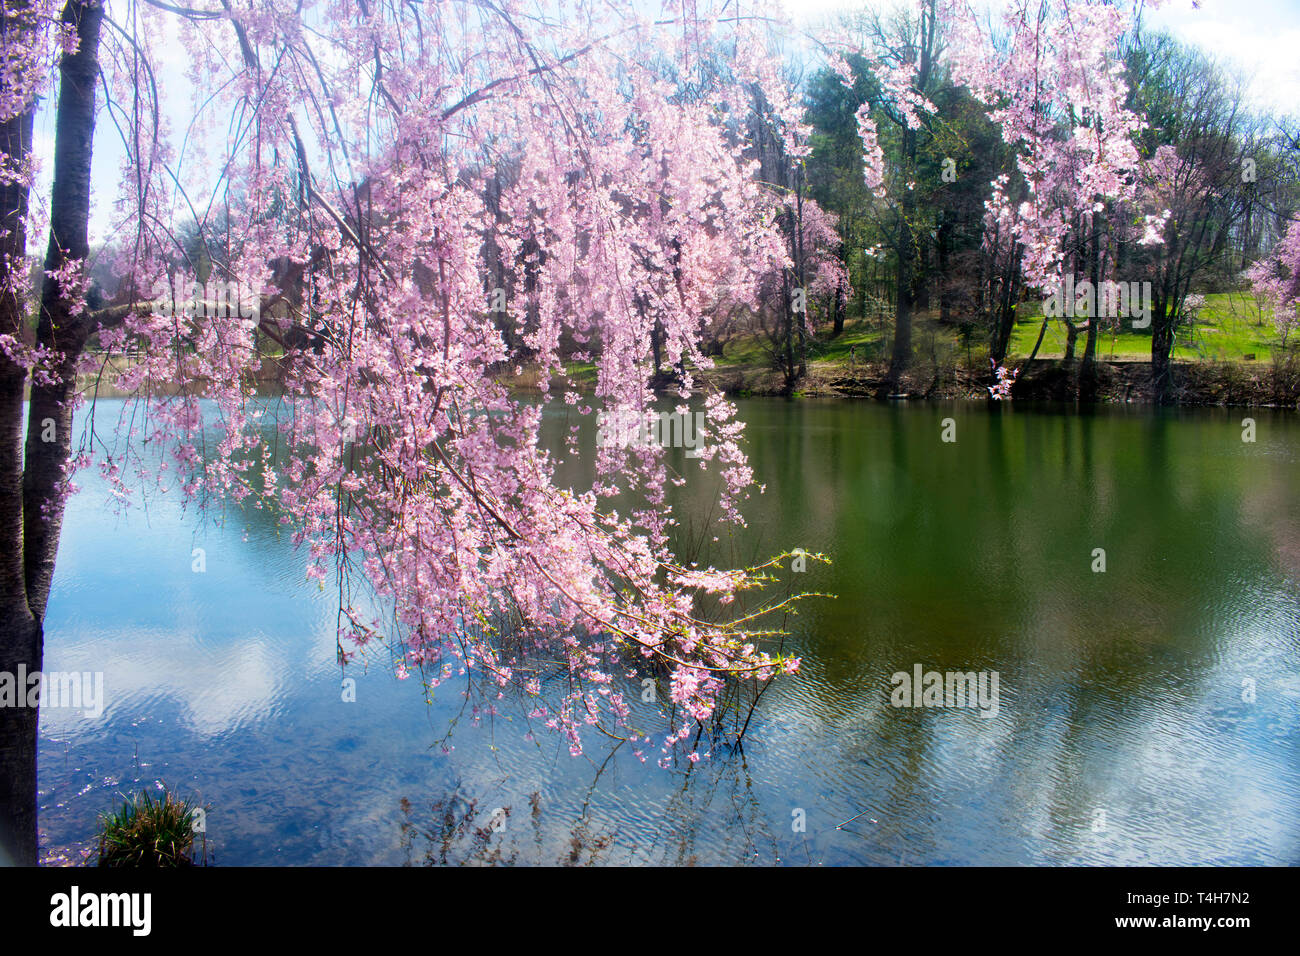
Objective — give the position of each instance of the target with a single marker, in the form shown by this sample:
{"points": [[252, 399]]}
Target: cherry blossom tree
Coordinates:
{"points": [[1056, 88], [397, 209], [901, 56], [1049, 75], [1276, 282], [369, 171], [1196, 186], [33, 37]]}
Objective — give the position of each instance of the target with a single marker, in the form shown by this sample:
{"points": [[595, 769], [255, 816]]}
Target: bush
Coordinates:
{"points": [[1285, 375], [149, 831]]}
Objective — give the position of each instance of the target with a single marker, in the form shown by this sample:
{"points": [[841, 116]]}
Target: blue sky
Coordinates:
{"points": [[1258, 38]]}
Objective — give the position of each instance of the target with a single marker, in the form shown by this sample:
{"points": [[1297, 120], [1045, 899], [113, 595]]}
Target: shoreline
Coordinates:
{"points": [[1194, 384], [1271, 384]]}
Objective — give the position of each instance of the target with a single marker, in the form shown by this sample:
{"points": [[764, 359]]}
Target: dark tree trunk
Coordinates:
{"points": [[839, 310], [20, 638], [1004, 322], [19, 635], [31, 503], [1162, 340], [1071, 338], [946, 228], [20, 651], [789, 367], [657, 346], [801, 273], [59, 329], [901, 356], [1087, 388], [1038, 343]]}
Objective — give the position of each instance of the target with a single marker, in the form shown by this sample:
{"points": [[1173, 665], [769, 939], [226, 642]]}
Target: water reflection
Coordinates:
{"points": [[1123, 735]]}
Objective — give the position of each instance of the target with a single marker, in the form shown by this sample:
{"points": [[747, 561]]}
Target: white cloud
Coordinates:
{"points": [[1258, 38]]}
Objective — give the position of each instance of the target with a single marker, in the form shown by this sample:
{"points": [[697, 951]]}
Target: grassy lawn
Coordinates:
{"points": [[864, 336], [1229, 328]]}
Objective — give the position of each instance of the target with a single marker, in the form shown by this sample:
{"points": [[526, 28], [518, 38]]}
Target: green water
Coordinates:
{"points": [[1147, 713]]}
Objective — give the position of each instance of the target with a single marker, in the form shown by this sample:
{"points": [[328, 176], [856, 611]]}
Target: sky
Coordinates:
{"points": [[1258, 38], [1261, 38]]}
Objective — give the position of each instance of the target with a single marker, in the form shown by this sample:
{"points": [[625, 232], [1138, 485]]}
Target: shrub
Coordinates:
{"points": [[149, 831]]}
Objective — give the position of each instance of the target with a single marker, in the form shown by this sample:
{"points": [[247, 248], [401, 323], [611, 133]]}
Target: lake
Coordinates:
{"points": [[1146, 714]]}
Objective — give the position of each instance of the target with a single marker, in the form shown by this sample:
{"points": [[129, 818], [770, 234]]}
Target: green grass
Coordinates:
{"points": [[1230, 327], [868, 340], [863, 335], [148, 831]]}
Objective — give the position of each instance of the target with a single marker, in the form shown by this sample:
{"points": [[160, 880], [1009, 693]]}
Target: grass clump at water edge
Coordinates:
{"points": [[152, 831]]}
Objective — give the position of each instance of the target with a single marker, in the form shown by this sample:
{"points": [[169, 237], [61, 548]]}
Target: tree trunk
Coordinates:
{"points": [[946, 228], [20, 652], [838, 311], [1087, 386], [19, 636], [31, 499], [60, 329], [901, 356], [801, 274], [1161, 351], [1071, 337], [1004, 322]]}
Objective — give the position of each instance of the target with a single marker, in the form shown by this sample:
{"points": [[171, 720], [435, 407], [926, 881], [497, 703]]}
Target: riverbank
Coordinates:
{"points": [[1229, 355], [1274, 383], [1264, 384]]}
